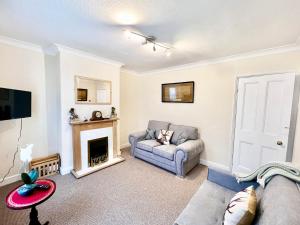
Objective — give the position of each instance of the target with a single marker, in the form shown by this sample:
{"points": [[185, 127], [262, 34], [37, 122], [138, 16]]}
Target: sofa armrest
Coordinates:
{"points": [[134, 138], [187, 155], [190, 148], [137, 136]]}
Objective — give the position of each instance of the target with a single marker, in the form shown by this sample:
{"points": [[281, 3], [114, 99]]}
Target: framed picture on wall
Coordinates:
{"points": [[182, 92]]}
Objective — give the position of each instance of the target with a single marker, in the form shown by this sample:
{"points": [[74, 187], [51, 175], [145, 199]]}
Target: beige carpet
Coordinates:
{"points": [[130, 193]]}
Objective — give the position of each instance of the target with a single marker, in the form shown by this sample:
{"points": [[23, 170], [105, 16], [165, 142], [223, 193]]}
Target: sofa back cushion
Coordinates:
{"points": [[278, 203], [157, 126], [183, 133], [150, 134]]}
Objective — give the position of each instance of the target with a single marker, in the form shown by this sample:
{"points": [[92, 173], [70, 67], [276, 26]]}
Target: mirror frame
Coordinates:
{"points": [[92, 79]]}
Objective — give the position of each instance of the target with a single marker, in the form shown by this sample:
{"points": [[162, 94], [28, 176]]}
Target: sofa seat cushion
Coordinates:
{"points": [[207, 206], [155, 159], [165, 151], [147, 145]]}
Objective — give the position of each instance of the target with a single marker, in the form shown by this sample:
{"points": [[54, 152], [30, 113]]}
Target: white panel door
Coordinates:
{"points": [[264, 106]]}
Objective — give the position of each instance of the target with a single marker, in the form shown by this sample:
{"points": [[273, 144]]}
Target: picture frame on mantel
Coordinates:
{"points": [[181, 92]]}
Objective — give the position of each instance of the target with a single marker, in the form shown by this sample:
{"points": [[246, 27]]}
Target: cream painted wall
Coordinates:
{"points": [[137, 99], [71, 65], [53, 102], [213, 109], [130, 105], [23, 69]]}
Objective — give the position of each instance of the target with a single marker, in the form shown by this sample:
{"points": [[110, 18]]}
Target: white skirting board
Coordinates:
{"points": [[65, 170], [84, 172], [125, 145], [11, 179], [214, 165]]}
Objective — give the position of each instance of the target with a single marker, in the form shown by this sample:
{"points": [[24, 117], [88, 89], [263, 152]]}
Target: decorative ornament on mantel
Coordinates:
{"points": [[96, 115], [73, 116], [113, 113]]}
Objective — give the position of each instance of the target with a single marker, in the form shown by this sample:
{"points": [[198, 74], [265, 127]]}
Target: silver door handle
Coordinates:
{"points": [[279, 143]]}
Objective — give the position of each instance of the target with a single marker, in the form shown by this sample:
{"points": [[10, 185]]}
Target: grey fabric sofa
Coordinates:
{"points": [[179, 159], [278, 204]]}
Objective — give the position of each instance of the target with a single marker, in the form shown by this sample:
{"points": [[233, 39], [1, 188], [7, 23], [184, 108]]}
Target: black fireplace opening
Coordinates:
{"points": [[97, 151]]}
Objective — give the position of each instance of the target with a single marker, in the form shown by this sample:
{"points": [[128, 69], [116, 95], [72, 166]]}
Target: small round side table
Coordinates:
{"points": [[38, 196]]}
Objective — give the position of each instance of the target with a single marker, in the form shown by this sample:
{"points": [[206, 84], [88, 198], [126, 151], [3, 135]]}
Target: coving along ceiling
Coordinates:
{"points": [[197, 29]]}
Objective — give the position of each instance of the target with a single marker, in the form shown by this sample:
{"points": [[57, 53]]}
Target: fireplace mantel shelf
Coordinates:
{"points": [[74, 123]]}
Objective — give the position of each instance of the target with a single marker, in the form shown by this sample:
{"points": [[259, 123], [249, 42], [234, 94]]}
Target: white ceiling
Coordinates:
{"points": [[198, 29]]}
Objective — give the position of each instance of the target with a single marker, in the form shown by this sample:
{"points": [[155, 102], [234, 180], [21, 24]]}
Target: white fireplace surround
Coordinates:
{"points": [[83, 132], [88, 135]]}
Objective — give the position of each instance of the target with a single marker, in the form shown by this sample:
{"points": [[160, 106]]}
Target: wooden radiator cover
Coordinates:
{"points": [[46, 166]]}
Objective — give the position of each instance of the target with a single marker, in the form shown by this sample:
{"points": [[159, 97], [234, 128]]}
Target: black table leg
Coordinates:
{"points": [[34, 220]]}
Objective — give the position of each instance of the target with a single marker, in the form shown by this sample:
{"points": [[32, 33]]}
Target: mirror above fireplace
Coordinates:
{"points": [[92, 91]]}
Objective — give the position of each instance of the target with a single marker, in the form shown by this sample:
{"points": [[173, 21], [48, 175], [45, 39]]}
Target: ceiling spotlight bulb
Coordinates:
{"points": [[154, 49], [144, 40]]}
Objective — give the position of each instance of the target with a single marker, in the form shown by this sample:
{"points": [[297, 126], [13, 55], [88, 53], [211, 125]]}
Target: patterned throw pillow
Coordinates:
{"points": [[150, 134], [241, 209], [165, 136]]}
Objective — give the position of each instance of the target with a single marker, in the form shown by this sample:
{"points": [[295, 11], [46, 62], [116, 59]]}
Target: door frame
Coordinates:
{"points": [[294, 112]]}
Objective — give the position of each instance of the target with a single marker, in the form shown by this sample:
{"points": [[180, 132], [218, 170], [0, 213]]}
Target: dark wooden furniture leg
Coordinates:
{"points": [[34, 217]]}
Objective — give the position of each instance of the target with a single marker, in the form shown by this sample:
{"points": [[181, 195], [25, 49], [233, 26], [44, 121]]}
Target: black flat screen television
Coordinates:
{"points": [[14, 104]]}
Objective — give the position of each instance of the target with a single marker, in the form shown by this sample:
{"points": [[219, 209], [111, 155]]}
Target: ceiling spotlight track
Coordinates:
{"points": [[150, 40]]}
